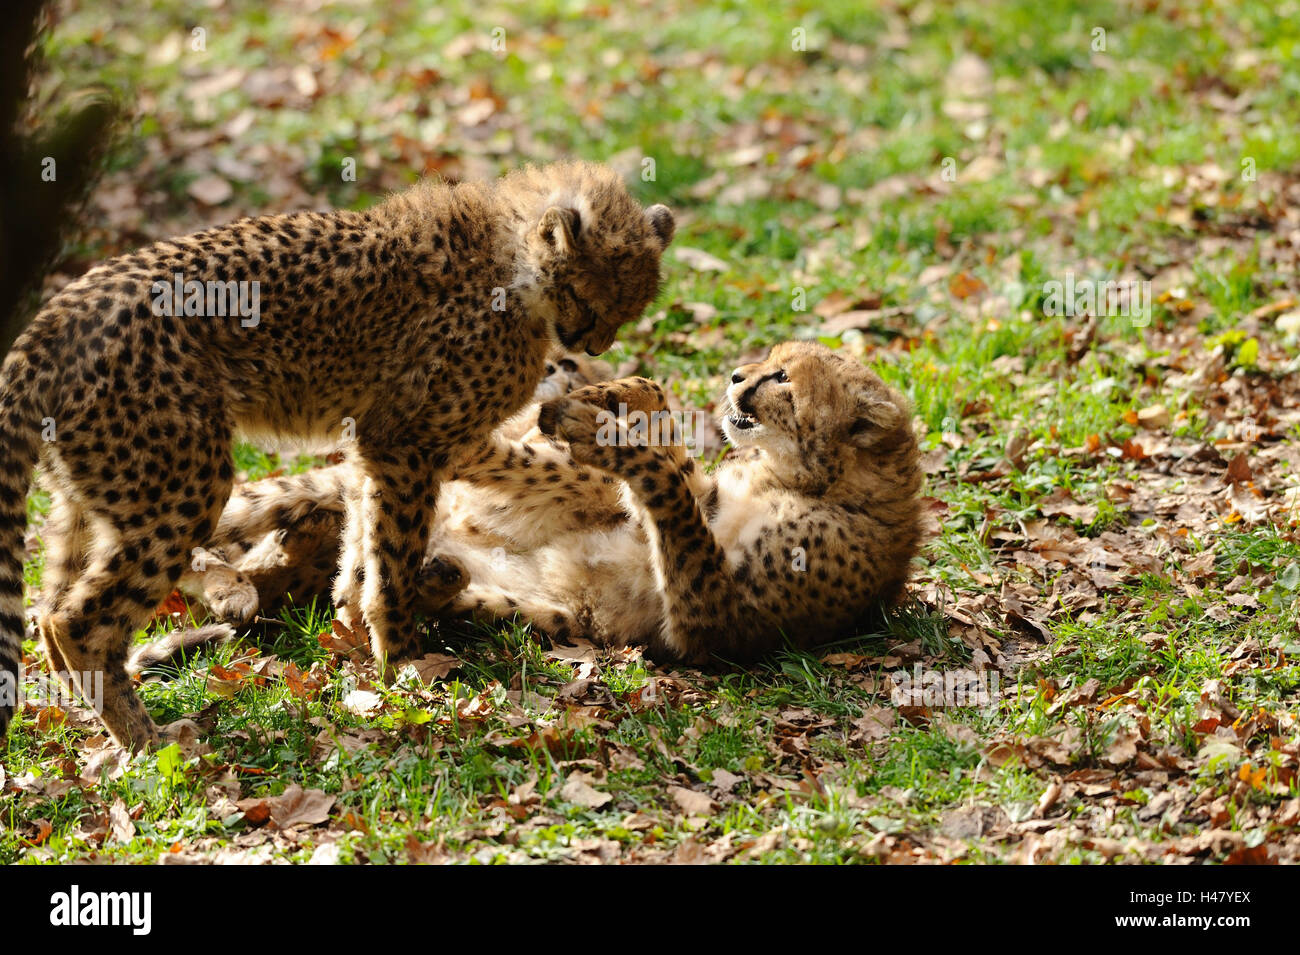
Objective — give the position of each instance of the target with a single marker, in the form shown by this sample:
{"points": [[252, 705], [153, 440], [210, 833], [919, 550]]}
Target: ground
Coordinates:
{"points": [[1114, 493]]}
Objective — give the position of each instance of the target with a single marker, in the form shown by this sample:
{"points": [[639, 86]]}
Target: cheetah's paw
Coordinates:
{"points": [[441, 579], [590, 431]]}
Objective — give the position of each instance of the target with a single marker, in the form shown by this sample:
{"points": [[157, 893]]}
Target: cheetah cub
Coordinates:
{"points": [[406, 332], [813, 521]]}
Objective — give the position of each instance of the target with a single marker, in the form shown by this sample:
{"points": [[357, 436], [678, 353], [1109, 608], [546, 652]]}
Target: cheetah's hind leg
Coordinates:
{"points": [[134, 561]]}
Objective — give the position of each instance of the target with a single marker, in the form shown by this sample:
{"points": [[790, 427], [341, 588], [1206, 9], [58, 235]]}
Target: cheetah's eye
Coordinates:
{"points": [[782, 377], [568, 364]]}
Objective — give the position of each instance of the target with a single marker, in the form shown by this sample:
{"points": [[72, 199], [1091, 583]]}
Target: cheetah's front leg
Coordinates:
{"points": [[705, 606], [548, 491], [394, 508], [614, 403]]}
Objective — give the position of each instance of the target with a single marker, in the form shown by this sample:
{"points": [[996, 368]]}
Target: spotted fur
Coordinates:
{"points": [[813, 521], [407, 332], [279, 538]]}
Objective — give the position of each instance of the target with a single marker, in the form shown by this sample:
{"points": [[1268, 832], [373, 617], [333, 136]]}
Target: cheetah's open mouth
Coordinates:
{"points": [[738, 417], [742, 416]]}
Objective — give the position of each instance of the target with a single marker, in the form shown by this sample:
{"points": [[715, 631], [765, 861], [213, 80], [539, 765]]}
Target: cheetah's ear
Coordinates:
{"points": [[872, 418], [662, 223], [559, 228]]}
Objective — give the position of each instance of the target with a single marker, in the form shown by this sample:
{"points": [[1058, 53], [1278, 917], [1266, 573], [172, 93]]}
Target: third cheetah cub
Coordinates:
{"points": [[409, 331]]}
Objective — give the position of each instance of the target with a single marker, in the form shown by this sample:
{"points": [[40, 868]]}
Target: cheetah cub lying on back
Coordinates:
{"points": [[811, 523], [409, 331]]}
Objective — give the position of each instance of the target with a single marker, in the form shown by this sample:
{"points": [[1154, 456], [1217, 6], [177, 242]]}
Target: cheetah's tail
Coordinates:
{"points": [[270, 504], [20, 428]]}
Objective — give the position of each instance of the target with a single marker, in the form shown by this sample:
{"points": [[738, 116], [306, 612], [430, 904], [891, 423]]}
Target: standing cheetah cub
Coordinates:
{"points": [[408, 332]]}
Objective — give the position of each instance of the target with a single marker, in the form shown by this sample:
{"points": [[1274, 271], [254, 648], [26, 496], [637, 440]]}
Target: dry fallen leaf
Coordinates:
{"points": [[876, 723], [363, 703], [327, 853], [851, 661], [225, 682], [211, 190], [43, 830], [119, 818], [433, 667], [300, 807], [1154, 416], [691, 802], [963, 285], [346, 642], [1239, 471], [577, 790], [425, 853], [256, 811], [578, 651], [699, 260], [303, 686], [1123, 747]]}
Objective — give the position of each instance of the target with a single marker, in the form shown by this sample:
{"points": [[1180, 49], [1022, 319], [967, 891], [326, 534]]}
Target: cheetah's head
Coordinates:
{"points": [[822, 420], [594, 249]]}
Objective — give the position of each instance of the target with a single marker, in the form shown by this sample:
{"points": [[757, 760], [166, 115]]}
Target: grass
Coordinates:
{"points": [[1094, 162]]}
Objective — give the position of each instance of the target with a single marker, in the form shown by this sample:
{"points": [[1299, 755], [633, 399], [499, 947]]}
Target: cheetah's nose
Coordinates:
{"points": [[737, 378]]}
